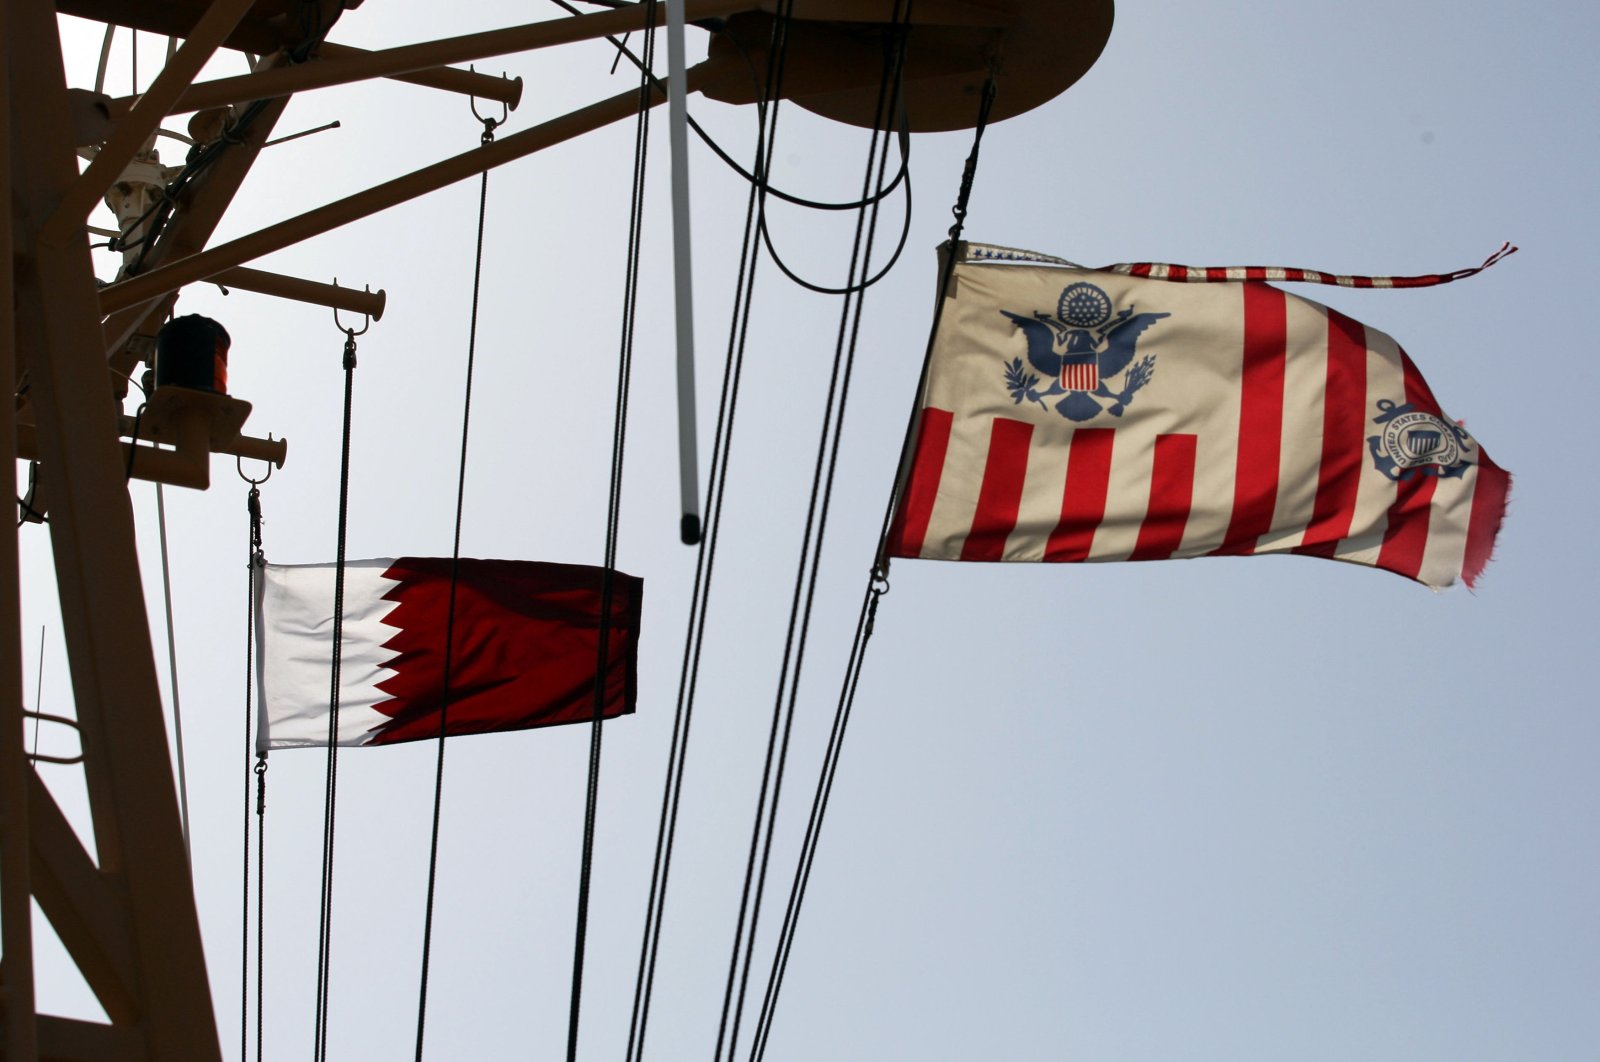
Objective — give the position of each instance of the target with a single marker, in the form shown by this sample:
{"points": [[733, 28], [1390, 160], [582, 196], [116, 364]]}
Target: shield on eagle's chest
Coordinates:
{"points": [[1080, 372], [1080, 363], [1420, 442]]}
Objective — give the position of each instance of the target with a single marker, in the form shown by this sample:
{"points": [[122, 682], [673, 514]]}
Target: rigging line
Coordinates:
{"points": [[688, 680], [877, 586], [778, 51], [252, 553], [787, 927], [172, 670], [819, 807], [330, 796], [854, 323], [805, 589], [450, 610], [261, 902], [613, 513], [947, 266]]}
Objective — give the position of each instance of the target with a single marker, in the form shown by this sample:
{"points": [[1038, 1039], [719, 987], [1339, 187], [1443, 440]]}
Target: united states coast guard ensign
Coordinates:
{"points": [[1279, 425]]}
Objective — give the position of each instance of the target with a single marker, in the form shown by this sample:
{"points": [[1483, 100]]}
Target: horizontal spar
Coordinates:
{"points": [[348, 65], [207, 264]]}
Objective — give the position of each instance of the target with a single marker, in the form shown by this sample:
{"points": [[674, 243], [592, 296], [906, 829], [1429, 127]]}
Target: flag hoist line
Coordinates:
{"points": [[331, 792], [487, 138], [255, 559]]}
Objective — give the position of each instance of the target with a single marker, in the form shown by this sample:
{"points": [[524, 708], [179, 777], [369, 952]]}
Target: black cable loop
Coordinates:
{"points": [[892, 59], [450, 609], [798, 200]]}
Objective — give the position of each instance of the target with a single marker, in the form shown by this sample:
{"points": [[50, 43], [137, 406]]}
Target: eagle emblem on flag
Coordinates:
{"points": [[1081, 350]]}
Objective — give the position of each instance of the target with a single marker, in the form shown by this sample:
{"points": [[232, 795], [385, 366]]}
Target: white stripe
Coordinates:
{"points": [[1376, 492], [294, 642], [1305, 385]]}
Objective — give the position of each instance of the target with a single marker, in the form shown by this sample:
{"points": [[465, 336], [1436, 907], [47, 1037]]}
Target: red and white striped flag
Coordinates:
{"points": [[1223, 418], [524, 648]]}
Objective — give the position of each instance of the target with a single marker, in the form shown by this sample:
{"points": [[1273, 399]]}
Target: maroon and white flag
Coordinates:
{"points": [[525, 648], [1072, 414]]}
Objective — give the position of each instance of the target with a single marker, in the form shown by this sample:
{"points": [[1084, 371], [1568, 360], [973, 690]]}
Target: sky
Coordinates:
{"points": [[1253, 808]]}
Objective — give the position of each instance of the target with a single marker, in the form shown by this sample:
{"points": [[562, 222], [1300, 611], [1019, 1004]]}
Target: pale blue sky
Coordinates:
{"points": [[1253, 809]]}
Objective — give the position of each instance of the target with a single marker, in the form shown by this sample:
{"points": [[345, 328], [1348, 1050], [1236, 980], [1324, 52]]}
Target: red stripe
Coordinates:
{"points": [[911, 516], [1488, 509], [1171, 490], [1177, 272], [1255, 273], [1001, 493], [1217, 273], [1344, 425], [1405, 540], [1255, 484], [1083, 503]]}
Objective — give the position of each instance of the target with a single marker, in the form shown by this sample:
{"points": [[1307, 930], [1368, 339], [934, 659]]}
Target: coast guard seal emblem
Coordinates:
{"points": [[1081, 351], [1413, 443]]}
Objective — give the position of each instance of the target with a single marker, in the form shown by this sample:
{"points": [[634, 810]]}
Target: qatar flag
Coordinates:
{"points": [[524, 648]]}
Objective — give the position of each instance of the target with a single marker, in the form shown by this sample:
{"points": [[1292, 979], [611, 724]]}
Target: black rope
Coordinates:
{"points": [[699, 604], [325, 927], [877, 586], [261, 902], [450, 611], [807, 570], [613, 515], [865, 623], [952, 251], [252, 559]]}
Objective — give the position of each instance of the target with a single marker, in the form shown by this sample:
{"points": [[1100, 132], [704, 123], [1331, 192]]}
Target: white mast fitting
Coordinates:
{"points": [[683, 286]]}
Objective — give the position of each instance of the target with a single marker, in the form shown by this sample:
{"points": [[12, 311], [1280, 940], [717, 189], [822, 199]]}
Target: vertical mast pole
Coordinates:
{"points": [[16, 890], [682, 280]]}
